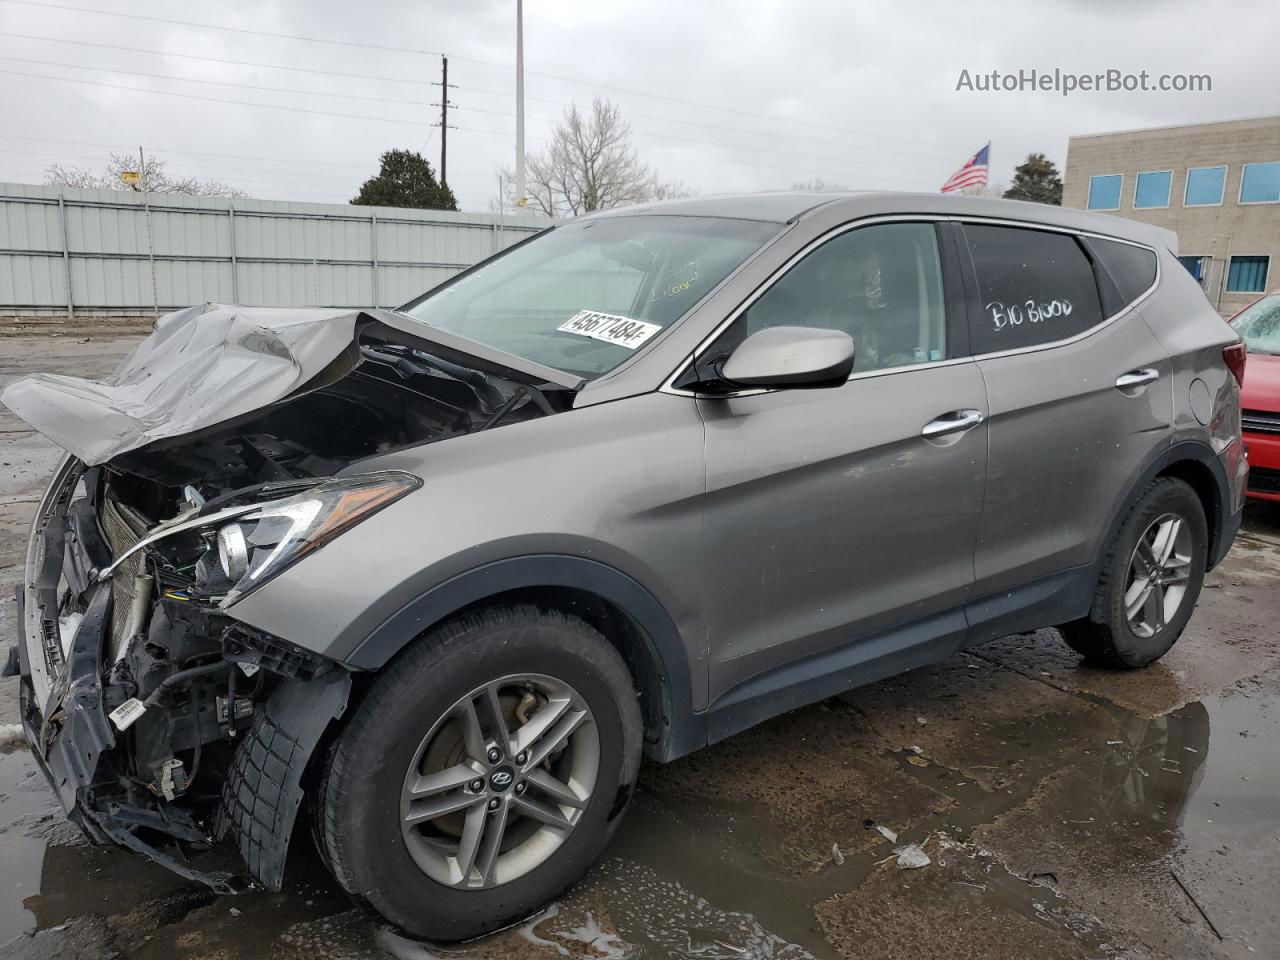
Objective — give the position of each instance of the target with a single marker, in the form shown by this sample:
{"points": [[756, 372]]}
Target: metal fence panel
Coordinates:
{"points": [[31, 281], [126, 253]]}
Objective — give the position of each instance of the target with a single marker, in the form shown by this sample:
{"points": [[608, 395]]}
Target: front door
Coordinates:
{"points": [[836, 515]]}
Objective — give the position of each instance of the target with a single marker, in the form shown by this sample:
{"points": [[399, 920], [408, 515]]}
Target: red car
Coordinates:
{"points": [[1259, 326]]}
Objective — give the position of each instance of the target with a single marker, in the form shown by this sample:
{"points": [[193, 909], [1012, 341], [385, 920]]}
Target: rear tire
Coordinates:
{"points": [[443, 875], [1151, 579]]}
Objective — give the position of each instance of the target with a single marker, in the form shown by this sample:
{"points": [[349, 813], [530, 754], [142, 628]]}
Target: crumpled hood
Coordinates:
{"points": [[200, 366], [209, 364]]}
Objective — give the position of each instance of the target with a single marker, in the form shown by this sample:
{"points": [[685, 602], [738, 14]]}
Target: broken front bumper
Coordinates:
{"points": [[66, 704], [61, 694]]}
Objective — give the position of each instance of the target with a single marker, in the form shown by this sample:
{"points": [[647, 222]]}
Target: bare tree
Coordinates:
{"points": [[590, 164], [154, 178], [818, 185]]}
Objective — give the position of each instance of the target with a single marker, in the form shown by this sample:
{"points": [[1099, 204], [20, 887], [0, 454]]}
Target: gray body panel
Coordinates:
{"points": [[787, 526], [795, 541], [1064, 439], [829, 518], [620, 484]]}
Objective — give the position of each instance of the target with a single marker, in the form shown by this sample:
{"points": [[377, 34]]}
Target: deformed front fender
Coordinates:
{"points": [[263, 791]]}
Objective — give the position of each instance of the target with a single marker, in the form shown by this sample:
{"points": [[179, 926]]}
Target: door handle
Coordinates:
{"points": [[954, 422], [1137, 378]]}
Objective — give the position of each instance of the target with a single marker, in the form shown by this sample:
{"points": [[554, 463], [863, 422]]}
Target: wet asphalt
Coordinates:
{"points": [[1063, 811]]}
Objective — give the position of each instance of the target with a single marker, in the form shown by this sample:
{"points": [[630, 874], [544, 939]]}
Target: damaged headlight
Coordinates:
{"points": [[259, 544]]}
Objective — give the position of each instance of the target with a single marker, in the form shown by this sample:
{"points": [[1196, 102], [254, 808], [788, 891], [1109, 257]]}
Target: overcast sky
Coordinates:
{"points": [[721, 95]]}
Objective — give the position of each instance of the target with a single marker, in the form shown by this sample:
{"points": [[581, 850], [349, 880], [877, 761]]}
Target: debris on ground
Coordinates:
{"points": [[912, 857], [836, 856], [11, 735], [1196, 903], [888, 834]]}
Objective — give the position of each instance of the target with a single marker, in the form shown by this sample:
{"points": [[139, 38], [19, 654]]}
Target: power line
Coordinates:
{"points": [[701, 125], [487, 63], [270, 106], [380, 78], [196, 153], [694, 156], [192, 96], [195, 56], [220, 170], [217, 26], [218, 83]]}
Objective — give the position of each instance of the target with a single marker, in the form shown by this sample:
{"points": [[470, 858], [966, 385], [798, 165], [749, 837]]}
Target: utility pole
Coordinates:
{"points": [[520, 201], [444, 106]]}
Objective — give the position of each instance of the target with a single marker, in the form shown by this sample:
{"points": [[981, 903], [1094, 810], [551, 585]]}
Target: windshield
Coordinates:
{"points": [[1259, 326], [585, 296]]}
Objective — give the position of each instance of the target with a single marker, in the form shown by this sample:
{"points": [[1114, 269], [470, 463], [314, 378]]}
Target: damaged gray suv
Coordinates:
{"points": [[438, 577]]}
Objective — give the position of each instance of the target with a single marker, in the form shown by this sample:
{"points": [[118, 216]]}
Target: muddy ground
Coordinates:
{"points": [[1065, 811]]}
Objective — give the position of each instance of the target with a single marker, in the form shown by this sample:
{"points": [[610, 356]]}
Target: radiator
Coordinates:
{"points": [[123, 528]]}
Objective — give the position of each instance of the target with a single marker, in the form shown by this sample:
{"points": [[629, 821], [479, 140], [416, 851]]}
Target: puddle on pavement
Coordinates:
{"points": [[24, 802], [1090, 790]]}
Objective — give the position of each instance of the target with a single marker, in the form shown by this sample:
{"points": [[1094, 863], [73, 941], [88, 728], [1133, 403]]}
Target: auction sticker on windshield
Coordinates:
{"points": [[610, 328]]}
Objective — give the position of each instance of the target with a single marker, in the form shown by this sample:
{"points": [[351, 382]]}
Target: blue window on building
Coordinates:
{"points": [[1260, 183], [1104, 192], [1153, 189], [1247, 275], [1205, 186], [1196, 266]]}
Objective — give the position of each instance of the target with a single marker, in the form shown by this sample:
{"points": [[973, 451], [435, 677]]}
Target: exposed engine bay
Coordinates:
{"points": [[157, 711]]}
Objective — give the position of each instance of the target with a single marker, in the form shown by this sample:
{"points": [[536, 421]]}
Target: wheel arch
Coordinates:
{"points": [[623, 610], [1199, 467]]}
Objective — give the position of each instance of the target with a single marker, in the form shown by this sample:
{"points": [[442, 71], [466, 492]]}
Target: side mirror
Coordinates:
{"points": [[791, 357]]}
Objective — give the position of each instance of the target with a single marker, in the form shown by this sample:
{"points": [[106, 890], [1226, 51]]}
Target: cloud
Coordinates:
{"points": [[860, 93]]}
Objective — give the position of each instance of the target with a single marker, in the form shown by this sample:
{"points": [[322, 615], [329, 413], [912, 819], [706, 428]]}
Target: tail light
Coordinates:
{"points": [[1234, 356]]}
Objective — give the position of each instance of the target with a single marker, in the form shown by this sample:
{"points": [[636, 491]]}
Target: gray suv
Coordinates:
{"points": [[627, 488]]}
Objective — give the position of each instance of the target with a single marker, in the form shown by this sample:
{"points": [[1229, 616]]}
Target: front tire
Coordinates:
{"points": [[483, 772], [1151, 579]]}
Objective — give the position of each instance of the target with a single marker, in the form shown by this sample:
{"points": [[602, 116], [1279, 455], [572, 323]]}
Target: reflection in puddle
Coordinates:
{"points": [[1087, 795]]}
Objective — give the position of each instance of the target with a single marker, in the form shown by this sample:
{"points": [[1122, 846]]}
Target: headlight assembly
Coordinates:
{"points": [[258, 545]]}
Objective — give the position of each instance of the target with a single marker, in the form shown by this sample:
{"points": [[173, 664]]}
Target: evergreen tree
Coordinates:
{"points": [[1036, 180], [405, 179]]}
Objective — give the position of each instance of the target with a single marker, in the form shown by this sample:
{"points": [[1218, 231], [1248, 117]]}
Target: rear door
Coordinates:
{"points": [[830, 515], [1079, 393]]}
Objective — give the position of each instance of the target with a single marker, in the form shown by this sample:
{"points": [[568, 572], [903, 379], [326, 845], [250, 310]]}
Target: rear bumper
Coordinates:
{"points": [[1264, 466]]}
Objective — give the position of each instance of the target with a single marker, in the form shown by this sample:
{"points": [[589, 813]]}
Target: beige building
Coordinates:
{"points": [[1217, 185]]}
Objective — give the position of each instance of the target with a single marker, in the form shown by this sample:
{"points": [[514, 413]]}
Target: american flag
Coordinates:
{"points": [[972, 174]]}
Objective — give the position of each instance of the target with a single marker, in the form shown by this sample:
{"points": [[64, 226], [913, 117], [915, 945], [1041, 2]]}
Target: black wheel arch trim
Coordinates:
{"points": [[1223, 522], [682, 730]]}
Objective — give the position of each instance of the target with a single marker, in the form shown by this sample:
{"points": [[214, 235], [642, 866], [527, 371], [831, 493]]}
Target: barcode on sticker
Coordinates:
{"points": [[124, 715], [610, 328]]}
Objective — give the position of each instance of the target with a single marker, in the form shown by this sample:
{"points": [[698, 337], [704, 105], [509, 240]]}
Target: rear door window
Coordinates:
{"points": [[1132, 269], [1034, 287]]}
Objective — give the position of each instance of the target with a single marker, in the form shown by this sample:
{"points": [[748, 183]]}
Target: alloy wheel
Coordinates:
{"points": [[1158, 574], [500, 781]]}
